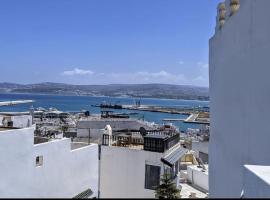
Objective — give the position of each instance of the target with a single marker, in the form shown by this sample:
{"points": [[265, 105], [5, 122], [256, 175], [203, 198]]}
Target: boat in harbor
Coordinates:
{"points": [[109, 105], [111, 114]]}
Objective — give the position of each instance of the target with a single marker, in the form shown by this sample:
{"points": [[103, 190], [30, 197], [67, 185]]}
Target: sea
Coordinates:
{"points": [[79, 103]]}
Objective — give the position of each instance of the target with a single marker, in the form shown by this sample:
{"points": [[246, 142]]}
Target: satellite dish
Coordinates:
{"points": [[143, 132]]}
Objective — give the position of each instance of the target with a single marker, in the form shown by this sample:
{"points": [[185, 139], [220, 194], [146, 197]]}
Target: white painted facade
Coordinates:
{"points": [[64, 173], [200, 146], [19, 121], [197, 177], [97, 127], [256, 181], [239, 93], [123, 172], [116, 124]]}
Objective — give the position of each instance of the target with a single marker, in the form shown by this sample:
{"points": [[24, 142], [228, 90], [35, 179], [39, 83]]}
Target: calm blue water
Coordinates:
{"points": [[78, 103]]}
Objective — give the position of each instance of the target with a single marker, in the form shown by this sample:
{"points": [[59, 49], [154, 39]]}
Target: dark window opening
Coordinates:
{"points": [[152, 177], [39, 161]]}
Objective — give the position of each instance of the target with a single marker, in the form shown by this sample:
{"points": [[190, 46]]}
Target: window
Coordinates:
{"points": [[39, 161], [152, 176], [154, 144], [203, 156]]}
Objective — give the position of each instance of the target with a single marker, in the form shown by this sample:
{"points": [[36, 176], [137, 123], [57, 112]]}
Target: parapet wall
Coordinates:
{"points": [[225, 10]]}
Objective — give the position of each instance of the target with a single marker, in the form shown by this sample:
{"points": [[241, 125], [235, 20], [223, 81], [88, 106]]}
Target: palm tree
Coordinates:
{"points": [[167, 189]]}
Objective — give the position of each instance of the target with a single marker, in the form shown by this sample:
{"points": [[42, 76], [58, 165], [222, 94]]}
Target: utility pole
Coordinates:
{"points": [[89, 136]]}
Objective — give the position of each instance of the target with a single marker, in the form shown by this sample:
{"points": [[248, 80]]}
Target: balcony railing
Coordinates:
{"points": [[152, 141]]}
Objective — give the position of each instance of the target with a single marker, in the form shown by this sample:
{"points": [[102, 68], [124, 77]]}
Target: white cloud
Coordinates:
{"points": [[77, 71], [139, 77], [203, 65], [143, 77], [199, 78], [181, 62]]}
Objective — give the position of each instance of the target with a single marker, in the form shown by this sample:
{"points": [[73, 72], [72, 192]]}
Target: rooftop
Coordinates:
{"points": [[155, 141], [78, 145], [262, 172], [188, 190], [199, 168], [7, 128]]}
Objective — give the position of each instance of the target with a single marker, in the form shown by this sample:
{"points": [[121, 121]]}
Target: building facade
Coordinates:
{"points": [[239, 93], [131, 165], [32, 167]]}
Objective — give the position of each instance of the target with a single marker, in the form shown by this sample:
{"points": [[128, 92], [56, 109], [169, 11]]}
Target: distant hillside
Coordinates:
{"points": [[113, 90]]}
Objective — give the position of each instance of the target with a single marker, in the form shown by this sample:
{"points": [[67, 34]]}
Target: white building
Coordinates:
{"points": [[40, 168], [19, 120], [131, 167], [95, 126], [239, 93], [198, 177], [201, 146]]}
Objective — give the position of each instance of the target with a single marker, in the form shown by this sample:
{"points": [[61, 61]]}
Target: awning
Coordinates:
{"points": [[174, 156]]}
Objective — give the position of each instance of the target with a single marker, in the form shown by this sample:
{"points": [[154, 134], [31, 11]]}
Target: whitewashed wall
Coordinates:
{"points": [[116, 124], [19, 121], [240, 96], [198, 178], [256, 181], [64, 173], [199, 146], [123, 172]]}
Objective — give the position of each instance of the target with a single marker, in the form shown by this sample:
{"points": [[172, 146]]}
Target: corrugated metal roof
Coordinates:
{"points": [[174, 156], [84, 195]]}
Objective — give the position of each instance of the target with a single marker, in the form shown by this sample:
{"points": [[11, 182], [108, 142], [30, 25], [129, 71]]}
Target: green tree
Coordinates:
{"points": [[167, 189]]}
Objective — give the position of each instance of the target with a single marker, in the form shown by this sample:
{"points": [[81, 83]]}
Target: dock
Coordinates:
{"points": [[193, 119], [173, 120], [12, 103], [159, 109]]}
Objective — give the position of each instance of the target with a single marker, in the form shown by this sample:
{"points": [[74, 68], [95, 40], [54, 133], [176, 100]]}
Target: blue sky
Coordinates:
{"points": [[106, 41]]}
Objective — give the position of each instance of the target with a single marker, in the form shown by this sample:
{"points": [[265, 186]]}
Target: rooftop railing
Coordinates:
{"points": [[152, 141]]}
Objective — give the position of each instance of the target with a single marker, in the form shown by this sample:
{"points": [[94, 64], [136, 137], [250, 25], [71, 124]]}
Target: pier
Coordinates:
{"points": [[12, 103], [193, 118], [182, 111], [170, 120]]}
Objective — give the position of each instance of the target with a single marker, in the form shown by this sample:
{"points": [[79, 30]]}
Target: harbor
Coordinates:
{"points": [[159, 111], [117, 135]]}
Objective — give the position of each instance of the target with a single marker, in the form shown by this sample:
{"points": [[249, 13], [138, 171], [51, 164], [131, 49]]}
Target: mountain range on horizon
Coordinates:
{"points": [[168, 91]]}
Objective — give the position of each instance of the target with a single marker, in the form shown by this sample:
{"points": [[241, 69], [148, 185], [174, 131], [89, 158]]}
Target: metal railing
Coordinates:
{"points": [[155, 144]]}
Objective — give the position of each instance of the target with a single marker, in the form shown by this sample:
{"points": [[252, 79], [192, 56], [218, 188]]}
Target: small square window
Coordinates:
{"points": [[39, 161]]}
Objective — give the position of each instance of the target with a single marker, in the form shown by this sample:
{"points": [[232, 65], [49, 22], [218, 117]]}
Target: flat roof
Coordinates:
{"points": [[187, 189], [196, 168], [263, 172], [14, 113], [156, 136], [7, 128]]}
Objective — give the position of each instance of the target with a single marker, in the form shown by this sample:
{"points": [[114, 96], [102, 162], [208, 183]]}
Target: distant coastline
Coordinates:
{"points": [[82, 95], [155, 91]]}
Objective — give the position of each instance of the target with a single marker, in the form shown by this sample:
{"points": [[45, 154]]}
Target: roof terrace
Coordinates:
{"points": [[155, 141]]}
